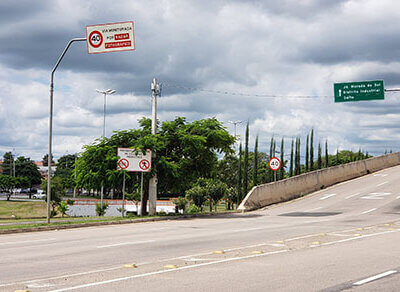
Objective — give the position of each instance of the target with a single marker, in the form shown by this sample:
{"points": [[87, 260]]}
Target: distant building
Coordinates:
{"points": [[43, 169]]}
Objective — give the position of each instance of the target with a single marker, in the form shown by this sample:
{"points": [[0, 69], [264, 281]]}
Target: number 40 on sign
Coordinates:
{"points": [[274, 164]]}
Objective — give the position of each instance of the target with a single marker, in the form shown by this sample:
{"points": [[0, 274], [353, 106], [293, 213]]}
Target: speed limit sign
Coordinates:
{"points": [[274, 164], [95, 39]]}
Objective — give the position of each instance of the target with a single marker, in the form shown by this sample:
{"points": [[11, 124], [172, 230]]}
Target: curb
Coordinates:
{"points": [[91, 224]]}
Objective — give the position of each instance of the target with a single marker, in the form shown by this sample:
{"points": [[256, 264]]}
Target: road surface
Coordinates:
{"points": [[346, 237]]}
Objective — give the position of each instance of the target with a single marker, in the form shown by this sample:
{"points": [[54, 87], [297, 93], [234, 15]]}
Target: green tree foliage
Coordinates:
{"points": [[57, 192], [25, 167], [291, 160], [197, 196], [312, 150], [180, 203], [7, 183], [282, 169], [45, 160], [255, 165], [62, 208], [246, 162], [326, 154], [185, 151], [65, 170], [7, 165], [101, 210], [307, 153], [319, 156], [240, 176]]}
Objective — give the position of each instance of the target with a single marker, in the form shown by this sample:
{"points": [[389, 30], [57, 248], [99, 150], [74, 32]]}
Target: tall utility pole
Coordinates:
{"points": [[234, 125], [156, 90], [104, 92]]}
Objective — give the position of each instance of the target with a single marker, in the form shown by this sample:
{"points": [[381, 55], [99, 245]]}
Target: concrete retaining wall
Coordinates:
{"points": [[294, 187]]}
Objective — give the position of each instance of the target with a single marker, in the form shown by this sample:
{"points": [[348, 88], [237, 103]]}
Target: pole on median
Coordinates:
{"points": [[141, 195], [51, 124], [156, 90], [123, 195]]}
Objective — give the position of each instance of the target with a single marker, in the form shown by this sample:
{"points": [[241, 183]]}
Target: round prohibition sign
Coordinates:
{"points": [[123, 163], [95, 39], [274, 163], [144, 164]]}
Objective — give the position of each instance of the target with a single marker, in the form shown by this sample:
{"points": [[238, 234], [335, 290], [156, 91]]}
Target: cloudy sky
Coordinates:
{"points": [[197, 49]]}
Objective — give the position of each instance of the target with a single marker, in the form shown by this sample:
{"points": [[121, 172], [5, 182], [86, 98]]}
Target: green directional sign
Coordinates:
{"points": [[356, 91]]}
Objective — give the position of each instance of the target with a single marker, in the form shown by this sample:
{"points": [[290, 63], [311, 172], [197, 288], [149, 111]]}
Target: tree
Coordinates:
{"points": [[65, 170], [57, 192], [319, 156], [307, 153], [246, 162], [216, 191], [291, 160], [255, 169], [197, 195], [45, 160], [326, 154], [312, 150], [7, 165], [180, 203], [240, 178], [282, 169], [63, 208], [7, 183], [185, 152], [25, 167]]}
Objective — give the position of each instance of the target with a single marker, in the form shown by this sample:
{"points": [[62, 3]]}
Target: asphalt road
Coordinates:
{"points": [[346, 237]]}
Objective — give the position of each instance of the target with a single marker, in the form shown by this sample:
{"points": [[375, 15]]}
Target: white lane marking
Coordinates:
{"points": [[26, 241], [276, 244], [372, 198], [166, 271], [368, 211], [314, 209], [248, 229], [381, 184], [125, 243], [359, 237], [373, 278], [327, 196], [356, 194], [340, 234], [60, 277], [198, 260], [398, 198], [300, 237], [381, 175]]}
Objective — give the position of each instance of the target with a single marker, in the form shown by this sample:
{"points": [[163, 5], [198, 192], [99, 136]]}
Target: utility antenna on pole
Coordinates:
{"points": [[156, 91]]}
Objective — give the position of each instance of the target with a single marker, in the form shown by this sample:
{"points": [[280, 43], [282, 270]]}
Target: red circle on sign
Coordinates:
{"points": [[274, 164], [144, 164], [95, 39], [123, 163]]}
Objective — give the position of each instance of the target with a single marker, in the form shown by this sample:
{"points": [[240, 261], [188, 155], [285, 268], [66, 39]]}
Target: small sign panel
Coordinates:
{"points": [[356, 91], [111, 37], [134, 160], [274, 164]]}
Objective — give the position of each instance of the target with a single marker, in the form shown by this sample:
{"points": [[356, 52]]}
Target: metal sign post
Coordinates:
{"points": [[123, 196], [134, 160]]}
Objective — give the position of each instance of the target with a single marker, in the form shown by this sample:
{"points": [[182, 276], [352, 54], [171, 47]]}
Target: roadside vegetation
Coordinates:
{"points": [[198, 165]]}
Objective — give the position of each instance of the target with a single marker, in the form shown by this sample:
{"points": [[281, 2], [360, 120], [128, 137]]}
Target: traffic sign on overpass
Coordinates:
{"points": [[356, 91]]}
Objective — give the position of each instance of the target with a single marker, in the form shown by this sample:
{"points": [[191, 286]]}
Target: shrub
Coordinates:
{"points": [[180, 203], [101, 211], [193, 209]]}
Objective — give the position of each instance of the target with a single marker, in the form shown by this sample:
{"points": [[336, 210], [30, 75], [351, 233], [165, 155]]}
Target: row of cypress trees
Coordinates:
{"points": [[294, 165]]}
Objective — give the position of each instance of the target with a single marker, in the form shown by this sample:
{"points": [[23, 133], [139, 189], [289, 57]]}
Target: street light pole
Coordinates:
{"points": [[51, 123], [104, 92]]}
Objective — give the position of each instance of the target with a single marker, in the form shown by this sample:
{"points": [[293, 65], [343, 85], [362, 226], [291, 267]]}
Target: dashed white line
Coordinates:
{"points": [[356, 194], [368, 211], [381, 184], [327, 196], [373, 278], [166, 271], [125, 243], [398, 198], [30, 241], [314, 209]]}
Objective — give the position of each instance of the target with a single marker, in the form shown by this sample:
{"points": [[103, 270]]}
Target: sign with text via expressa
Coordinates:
{"points": [[356, 91]]}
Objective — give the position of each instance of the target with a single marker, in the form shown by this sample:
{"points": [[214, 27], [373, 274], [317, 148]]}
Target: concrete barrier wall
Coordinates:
{"points": [[294, 187]]}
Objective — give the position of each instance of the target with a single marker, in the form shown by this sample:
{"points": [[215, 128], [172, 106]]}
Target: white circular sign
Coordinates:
{"points": [[95, 39], [274, 164]]}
